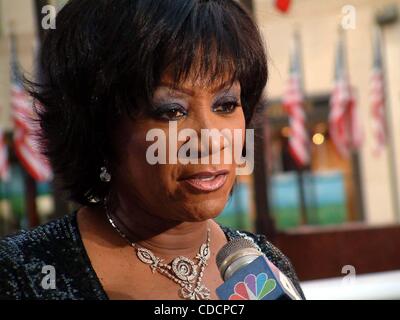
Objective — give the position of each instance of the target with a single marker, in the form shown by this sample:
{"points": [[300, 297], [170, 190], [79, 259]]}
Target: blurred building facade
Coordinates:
{"points": [[317, 23]]}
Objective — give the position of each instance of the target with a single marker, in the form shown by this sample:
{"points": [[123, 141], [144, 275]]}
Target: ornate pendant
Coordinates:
{"points": [[204, 253], [184, 269], [148, 257], [198, 293]]}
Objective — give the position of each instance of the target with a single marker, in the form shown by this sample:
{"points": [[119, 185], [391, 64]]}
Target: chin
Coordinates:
{"points": [[207, 209]]}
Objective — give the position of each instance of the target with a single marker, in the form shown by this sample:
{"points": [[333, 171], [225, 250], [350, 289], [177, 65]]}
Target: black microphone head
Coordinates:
{"points": [[237, 253]]}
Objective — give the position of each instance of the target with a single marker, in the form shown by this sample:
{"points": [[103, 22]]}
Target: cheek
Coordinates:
{"points": [[135, 175]]}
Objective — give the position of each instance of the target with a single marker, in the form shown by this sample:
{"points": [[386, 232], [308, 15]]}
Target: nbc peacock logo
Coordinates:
{"points": [[253, 287]]}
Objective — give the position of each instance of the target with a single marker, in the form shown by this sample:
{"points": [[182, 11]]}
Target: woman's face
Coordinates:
{"points": [[172, 190]]}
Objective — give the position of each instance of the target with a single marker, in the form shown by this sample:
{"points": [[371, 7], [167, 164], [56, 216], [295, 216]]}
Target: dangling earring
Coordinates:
{"points": [[105, 176]]}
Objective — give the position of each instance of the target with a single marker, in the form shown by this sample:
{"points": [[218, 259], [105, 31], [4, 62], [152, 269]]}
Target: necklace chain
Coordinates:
{"points": [[181, 270]]}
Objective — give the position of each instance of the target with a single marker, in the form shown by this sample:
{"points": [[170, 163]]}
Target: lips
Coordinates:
{"points": [[207, 181]]}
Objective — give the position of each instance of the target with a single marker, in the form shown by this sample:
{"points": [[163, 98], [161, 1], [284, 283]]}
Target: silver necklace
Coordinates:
{"points": [[181, 270]]}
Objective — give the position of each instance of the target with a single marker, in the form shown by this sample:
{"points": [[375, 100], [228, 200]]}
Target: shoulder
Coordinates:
{"points": [[24, 257], [26, 246], [273, 254]]}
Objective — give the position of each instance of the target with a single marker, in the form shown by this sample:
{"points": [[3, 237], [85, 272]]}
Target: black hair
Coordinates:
{"points": [[105, 58]]}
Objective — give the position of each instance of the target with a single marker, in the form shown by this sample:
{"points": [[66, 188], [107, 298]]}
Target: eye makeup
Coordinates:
{"points": [[169, 111], [168, 106], [226, 104]]}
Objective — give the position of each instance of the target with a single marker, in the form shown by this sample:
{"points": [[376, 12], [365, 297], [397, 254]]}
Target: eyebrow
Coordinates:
{"points": [[190, 92]]}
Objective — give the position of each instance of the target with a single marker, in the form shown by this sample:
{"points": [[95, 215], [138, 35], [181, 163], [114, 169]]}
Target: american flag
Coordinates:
{"points": [[25, 126], [344, 126], [378, 96], [293, 102]]}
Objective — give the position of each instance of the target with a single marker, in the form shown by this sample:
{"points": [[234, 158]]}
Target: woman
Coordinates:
{"points": [[113, 71]]}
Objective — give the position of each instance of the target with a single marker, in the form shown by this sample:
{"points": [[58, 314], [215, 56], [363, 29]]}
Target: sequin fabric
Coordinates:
{"points": [[25, 259]]}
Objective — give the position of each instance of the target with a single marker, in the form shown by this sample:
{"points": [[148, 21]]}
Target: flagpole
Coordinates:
{"points": [[61, 206], [389, 137], [355, 157], [300, 169], [357, 182], [30, 200], [29, 182]]}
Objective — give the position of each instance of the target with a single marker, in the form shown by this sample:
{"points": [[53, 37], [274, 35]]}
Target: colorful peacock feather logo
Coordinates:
{"points": [[253, 287]]}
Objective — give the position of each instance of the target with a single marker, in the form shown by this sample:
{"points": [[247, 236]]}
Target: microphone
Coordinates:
{"points": [[249, 275]]}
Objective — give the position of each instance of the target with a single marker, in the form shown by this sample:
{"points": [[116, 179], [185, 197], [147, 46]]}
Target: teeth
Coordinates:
{"points": [[207, 179]]}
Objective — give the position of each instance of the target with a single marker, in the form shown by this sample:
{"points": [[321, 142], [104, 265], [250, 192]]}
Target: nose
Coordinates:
{"points": [[211, 139]]}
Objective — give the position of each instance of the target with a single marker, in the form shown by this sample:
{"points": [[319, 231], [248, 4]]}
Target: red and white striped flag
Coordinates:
{"points": [[26, 128], [293, 102], [4, 166], [344, 126], [379, 127]]}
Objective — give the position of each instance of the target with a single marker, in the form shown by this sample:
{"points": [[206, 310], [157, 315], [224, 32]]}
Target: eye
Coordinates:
{"points": [[170, 112], [226, 107]]}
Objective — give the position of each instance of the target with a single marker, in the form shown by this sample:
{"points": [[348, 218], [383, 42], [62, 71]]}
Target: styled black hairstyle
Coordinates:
{"points": [[106, 57]]}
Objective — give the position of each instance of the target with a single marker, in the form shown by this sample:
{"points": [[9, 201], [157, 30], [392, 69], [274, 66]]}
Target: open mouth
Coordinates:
{"points": [[207, 181]]}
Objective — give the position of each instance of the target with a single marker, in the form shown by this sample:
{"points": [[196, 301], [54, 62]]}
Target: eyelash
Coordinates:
{"points": [[234, 104], [161, 112]]}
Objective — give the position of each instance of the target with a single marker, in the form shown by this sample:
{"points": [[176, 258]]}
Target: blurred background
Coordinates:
{"points": [[326, 185]]}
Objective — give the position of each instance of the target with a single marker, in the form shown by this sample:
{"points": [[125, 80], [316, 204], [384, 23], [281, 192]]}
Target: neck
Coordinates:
{"points": [[164, 238]]}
